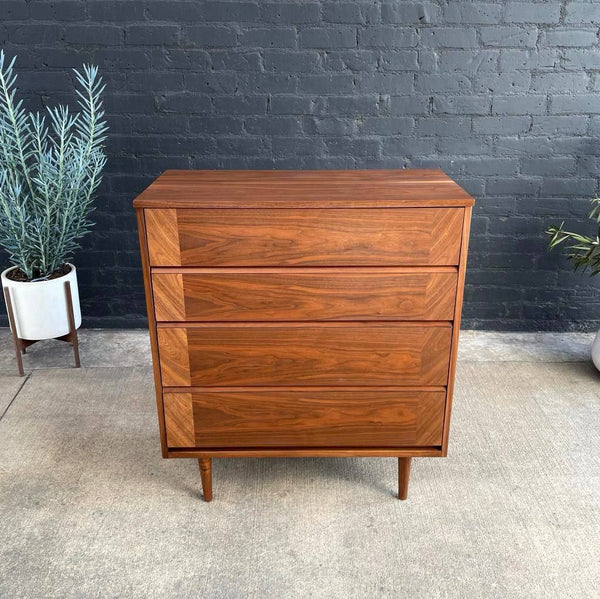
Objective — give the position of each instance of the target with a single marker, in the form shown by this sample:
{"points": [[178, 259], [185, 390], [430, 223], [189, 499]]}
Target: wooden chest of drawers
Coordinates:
{"points": [[304, 313]]}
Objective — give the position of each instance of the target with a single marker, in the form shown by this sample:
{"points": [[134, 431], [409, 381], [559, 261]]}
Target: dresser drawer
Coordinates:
{"points": [[304, 237], [300, 294], [269, 354], [305, 418]]}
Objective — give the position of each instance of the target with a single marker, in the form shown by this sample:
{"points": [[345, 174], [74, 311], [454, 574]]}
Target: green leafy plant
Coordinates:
{"points": [[50, 167], [582, 251]]}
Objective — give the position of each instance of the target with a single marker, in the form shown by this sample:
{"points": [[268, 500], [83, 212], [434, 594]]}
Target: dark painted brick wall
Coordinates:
{"points": [[504, 96]]}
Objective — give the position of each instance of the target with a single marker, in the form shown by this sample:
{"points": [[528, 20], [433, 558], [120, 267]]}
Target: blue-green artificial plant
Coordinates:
{"points": [[50, 167]]}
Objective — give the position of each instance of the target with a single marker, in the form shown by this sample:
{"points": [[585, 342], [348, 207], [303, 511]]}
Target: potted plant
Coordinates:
{"points": [[50, 167], [584, 254]]}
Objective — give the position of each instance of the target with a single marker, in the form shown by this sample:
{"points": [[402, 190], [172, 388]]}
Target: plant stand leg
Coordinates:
{"points": [[13, 328], [72, 330], [403, 476], [206, 476]]}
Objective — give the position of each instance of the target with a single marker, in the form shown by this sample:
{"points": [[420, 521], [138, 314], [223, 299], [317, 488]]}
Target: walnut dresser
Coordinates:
{"points": [[304, 313]]}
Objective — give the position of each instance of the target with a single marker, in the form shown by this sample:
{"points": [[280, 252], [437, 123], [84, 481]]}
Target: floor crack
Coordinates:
{"points": [[25, 379]]}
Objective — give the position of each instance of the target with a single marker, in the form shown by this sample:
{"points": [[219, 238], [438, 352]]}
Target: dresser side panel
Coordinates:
{"points": [[152, 328], [466, 227]]}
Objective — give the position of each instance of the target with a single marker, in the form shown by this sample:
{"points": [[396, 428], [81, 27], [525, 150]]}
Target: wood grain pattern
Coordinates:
{"points": [[323, 354], [319, 237], [143, 238], [466, 227], [303, 189], [280, 418], [163, 236], [169, 297], [174, 357], [304, 313], [305, 294], [179, 419]]}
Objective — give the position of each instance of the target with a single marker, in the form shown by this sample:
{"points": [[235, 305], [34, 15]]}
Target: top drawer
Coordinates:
{"points": [[304, 237]]}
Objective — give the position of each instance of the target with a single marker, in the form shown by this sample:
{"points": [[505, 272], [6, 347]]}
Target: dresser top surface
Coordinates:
{"points": [[303, 189]]}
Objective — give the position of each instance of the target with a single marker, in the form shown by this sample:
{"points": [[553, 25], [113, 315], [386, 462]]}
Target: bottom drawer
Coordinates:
{"points": [[304, 418]]}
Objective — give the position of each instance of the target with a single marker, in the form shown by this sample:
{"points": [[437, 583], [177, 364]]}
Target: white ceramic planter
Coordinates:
{"points": [[596, 351], [40, 307]]}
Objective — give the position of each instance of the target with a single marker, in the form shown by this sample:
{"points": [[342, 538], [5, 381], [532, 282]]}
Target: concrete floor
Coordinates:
{"points": [[89, 509]]}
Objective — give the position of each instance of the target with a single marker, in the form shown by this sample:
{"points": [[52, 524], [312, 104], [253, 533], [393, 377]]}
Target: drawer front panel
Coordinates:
{"points": [[325, 354], [305, 294], [327, 237], [305, 418]]}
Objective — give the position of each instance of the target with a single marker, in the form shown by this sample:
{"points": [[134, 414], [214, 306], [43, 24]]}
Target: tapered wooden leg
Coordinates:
{"points": [[13, 329], [206, 476], [72, 330], [403, 476]]}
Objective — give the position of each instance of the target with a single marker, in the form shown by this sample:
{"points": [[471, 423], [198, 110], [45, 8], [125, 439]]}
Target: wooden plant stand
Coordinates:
{"points": [[21, 345]]}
